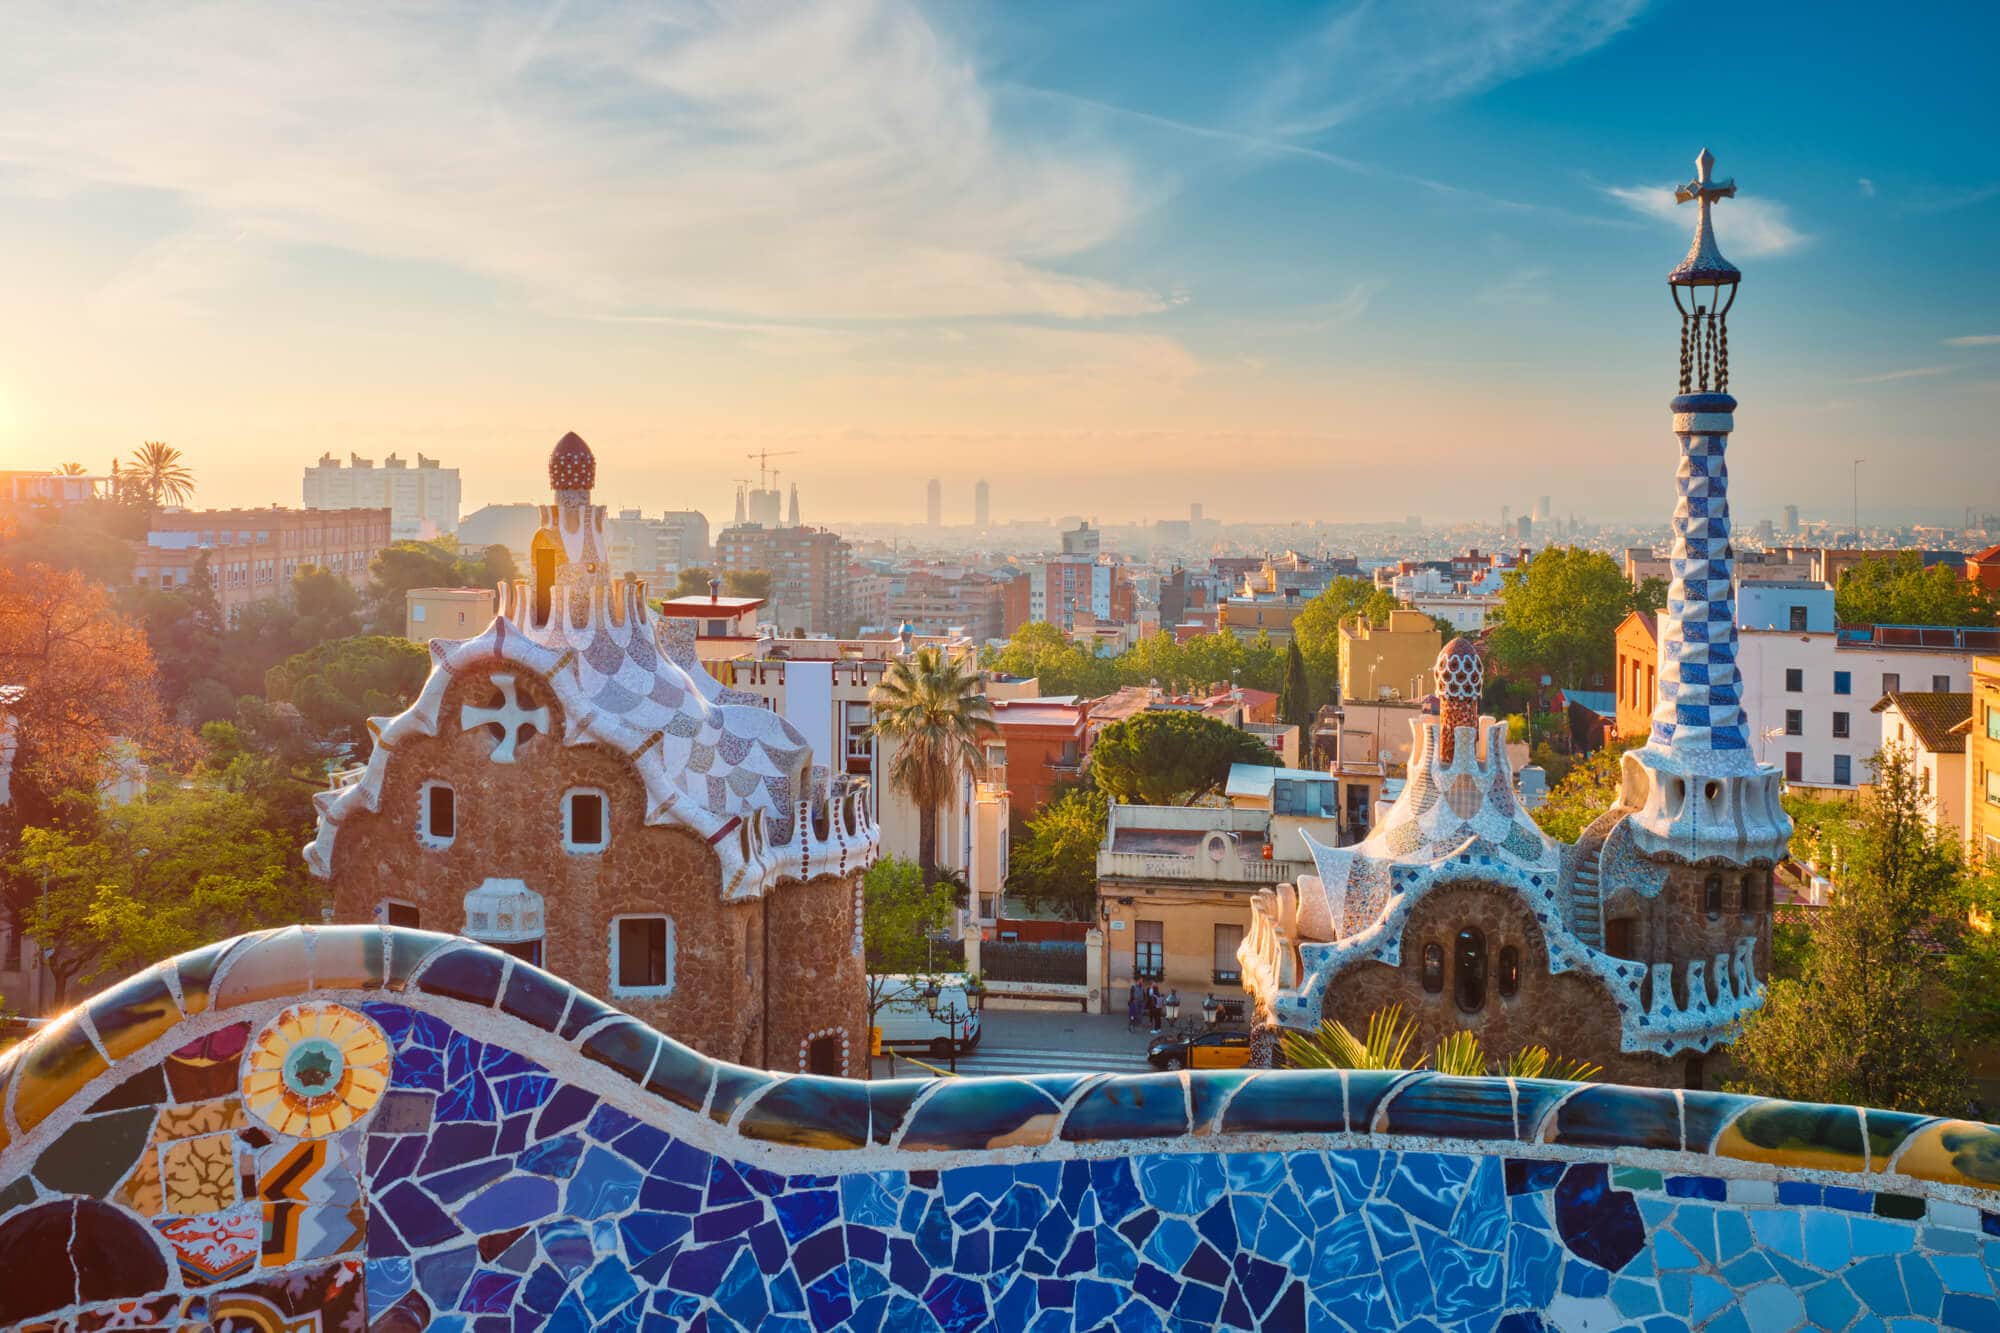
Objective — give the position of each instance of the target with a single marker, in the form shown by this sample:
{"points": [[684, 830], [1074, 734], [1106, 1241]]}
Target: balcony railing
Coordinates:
{"points": [[1153, 865]]}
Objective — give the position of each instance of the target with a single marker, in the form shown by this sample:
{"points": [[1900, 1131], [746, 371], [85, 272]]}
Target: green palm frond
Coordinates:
{"points": [[1460, 1054], [1537, 1062], [1334, 1045]]}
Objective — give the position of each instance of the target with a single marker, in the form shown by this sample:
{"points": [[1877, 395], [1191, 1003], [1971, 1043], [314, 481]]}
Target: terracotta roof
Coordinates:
{"points": [[1934, 717], [1990, 553]]}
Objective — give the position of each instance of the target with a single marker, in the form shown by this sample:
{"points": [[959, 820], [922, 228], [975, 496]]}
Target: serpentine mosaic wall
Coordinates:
{"points": [[361, 1127]]}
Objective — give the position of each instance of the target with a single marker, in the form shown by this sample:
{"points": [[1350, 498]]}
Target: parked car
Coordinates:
{"points": [[1210, 1048], [905, 1016]]}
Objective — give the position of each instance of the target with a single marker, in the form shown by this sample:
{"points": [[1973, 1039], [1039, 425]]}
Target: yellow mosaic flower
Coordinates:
{"points": [[315, 1069]]}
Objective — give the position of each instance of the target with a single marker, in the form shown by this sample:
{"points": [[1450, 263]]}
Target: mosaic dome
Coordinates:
{"points": [[572, 467], [1460, 672]]}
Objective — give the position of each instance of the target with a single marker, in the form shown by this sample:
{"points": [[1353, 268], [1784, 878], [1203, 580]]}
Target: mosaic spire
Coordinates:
{"points": [[1704, 794], [1700, 705]]}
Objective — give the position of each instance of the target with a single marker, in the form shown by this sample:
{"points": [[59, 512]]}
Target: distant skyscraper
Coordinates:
{"points": [[934, 503], [742, 515], [1194, 514], [792, 517], [767, 506], [982, 506], [1506, 519], [1526, 529], [1791, 518], [1542, 510]]}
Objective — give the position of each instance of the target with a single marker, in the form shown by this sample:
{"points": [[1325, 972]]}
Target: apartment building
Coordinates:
{"points": [[1809, 683], [422, 501], [808, 568], [938, 598], [1982, 763], [253, 553], [1930, 730], [1390, 660]]}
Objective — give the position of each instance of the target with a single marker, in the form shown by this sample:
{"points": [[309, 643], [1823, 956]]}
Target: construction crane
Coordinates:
{"points": [[763, 459]]}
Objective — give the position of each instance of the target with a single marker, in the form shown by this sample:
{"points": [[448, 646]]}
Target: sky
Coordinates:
{"points": [[1291, 262]]}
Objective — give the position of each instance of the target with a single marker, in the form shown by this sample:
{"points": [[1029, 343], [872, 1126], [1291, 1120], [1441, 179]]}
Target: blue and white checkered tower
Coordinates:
{"points": [[1698, 793]]}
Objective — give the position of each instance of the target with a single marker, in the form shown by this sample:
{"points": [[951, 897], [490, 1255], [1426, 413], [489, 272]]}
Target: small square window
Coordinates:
{"points": [[642, 955], [1798, 619], [585, 827], [1843, 682], [1940, 684], [1795, 680], [1843, 770], [1795, 766], [1840, 725], [1891, 682], [1795, 722], [418, 614], [393, 913]]}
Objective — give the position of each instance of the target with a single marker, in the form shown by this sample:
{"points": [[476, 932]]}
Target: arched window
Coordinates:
{"points": [[1711, 897], [1468, 971], [1433, 968], [1510, 971]]}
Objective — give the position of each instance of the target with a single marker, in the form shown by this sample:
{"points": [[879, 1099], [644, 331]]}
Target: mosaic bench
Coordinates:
{"points": [[368, 1127]]}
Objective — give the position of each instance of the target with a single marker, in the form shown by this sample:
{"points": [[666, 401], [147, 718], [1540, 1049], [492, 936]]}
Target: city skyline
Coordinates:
{"points": [[1353, 244]]}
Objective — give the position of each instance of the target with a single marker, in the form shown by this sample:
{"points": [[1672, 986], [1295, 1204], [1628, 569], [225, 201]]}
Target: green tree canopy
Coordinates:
{"points": [[1055, 865], [183, 866], [338, 686], [440, 564], [1558, 614], [1585, 792], [1041, 650], [745, 583], [1171, 757], [1871, 1020], [1316, 629], [693, 581], [1900, 591], [900, 914]]}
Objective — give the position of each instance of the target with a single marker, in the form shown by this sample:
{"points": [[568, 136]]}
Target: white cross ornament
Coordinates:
{"points": [[510, 717]]}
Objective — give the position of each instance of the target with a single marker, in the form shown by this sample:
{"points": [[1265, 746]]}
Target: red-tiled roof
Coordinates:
{"points": [[1934, 717]]}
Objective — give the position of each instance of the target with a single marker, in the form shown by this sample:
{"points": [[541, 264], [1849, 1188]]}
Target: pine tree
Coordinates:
{"points": [[1295, 697], [1870, 1021]]}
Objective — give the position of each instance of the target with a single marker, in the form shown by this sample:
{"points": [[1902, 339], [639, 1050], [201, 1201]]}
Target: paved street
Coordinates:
{"points": [[1034, 1042]]}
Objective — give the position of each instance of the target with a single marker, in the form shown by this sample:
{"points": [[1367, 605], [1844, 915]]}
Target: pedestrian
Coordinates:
{"points": [[1153, 1007], [1132, 1008]]}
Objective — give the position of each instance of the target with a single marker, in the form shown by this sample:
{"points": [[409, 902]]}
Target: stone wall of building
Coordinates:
{"points": [[1569, 1012], [509, 825], [344, 1128]]}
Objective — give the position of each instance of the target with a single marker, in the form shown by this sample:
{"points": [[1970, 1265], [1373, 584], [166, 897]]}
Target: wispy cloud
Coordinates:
{"points": [[1867, 187], [1974, 340], [764, 163], [1915, 373], [1748, 226], [1525, 285], [1397, 52]]}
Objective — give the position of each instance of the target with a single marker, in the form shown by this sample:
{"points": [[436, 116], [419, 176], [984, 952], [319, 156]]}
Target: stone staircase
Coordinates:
{"points": [[1586, 908]]}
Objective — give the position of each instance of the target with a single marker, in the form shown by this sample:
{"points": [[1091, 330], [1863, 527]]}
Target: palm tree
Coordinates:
{"points": [[164, 478], [935, 709], [69, 469], [1387, 1046]]}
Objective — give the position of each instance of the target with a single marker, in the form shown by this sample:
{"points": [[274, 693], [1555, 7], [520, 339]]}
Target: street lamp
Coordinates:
{"points": [[1172, 1005], [951, 1015], [1208, 1008]]}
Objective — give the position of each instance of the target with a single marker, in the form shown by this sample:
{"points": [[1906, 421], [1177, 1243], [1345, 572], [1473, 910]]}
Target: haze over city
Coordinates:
{"points": [[1094, 252]]}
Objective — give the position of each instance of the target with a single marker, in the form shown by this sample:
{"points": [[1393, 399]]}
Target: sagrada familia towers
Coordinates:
{"points": [[1639, 946]]}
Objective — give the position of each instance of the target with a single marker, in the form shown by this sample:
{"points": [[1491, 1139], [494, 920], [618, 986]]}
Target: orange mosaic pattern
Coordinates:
{"points": [[315, 1069]]}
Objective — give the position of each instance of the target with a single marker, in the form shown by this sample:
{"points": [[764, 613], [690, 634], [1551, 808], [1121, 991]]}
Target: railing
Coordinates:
{"points": [[1151, 865]]}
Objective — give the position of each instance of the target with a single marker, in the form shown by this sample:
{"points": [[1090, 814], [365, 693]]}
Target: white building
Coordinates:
{"points": [[1930, 729], [422, 501], [657, 548], [1809, 685]]}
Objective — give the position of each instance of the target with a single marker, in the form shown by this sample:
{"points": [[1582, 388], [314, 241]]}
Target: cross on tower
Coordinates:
{"points": [[510, 717], [1701, 187]]}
